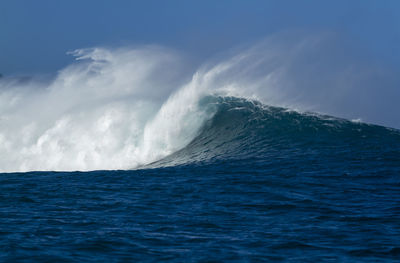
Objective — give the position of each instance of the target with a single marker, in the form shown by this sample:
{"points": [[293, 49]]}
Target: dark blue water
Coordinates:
{"points": [[257, 184]]}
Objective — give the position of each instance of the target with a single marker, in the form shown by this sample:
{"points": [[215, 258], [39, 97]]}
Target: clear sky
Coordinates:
{"points": [[35, 35]]}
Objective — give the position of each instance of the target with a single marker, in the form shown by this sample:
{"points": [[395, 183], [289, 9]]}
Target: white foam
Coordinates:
{"points": [[99, 113]]}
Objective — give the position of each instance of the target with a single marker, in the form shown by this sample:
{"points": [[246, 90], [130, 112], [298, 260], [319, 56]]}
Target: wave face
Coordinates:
{"points": [[248, 131]]}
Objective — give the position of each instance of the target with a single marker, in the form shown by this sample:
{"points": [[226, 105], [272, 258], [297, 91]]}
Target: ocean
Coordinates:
{"points": [[256, 183]]}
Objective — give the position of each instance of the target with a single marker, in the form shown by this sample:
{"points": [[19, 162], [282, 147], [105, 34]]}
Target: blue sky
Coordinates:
{"points": [[35, 35]]}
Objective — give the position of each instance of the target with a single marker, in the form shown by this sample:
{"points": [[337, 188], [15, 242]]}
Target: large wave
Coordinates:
{"points": [[124, 108]]}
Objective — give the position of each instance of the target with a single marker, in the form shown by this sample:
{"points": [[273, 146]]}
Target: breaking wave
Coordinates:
{"points": [[126, 108]]}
